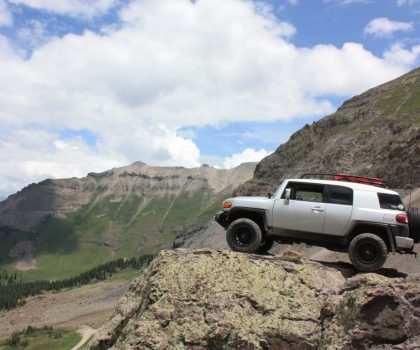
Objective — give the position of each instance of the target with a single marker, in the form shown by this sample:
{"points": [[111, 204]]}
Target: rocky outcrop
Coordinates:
{"points": [[374, 134], [210, 235], [205, 299]]}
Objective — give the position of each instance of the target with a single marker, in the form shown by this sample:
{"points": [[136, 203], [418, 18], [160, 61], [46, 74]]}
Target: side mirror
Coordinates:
{"points": [[269, 195], [287, 196]]}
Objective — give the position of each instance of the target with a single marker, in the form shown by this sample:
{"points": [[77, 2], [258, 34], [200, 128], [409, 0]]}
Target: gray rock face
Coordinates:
{"points": [[210, 235], [375, 134], [203, 299], [25, 209]]}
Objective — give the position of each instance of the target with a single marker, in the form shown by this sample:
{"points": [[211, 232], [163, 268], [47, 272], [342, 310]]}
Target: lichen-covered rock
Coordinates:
{"points": [[205, 299]]}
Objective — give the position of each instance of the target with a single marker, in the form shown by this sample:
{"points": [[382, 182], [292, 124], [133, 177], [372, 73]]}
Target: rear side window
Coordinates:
{"points": [[339, 195], [390, 201]]}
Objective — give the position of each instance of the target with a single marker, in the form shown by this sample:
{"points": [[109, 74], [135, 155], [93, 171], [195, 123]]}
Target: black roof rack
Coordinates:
{"points": [[350, 178]]}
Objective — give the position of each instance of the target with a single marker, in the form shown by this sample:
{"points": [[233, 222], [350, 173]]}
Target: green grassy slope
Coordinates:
{"points": [[104, 229], [42, 339]]}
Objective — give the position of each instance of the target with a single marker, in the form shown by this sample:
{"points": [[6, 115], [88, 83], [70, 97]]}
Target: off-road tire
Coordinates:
{"points": [[244, 235], [368, 252], [266, 244], [414, 223]]}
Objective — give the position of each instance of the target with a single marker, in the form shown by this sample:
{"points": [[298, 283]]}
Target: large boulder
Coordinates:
{"points": [[203, 299]]}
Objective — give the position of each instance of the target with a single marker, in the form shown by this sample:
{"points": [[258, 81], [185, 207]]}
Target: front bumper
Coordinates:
{"points": [[222, 218], [404, 243]]}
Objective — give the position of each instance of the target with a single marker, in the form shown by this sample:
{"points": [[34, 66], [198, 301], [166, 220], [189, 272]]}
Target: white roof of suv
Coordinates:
{"points": [[353, 185]]}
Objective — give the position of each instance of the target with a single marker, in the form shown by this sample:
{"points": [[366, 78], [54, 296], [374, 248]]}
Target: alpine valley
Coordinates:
{"points": [[59, 228]]}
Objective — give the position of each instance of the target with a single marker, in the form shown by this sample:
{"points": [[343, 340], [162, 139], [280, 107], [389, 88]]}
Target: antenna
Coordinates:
{"points": [[411, 188], [409, 200]]}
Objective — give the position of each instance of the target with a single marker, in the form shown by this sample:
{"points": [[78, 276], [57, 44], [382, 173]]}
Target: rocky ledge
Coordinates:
{"points": [[205, 299]]}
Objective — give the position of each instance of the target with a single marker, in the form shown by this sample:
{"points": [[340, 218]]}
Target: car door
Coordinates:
{"points": [[303, 212], [338, 209]]}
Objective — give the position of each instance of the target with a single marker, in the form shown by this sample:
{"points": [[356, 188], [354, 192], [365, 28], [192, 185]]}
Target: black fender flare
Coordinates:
{"points": [[241, 212], [381, 230]]}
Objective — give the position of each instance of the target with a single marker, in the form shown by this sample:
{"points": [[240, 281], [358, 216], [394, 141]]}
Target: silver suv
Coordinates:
{"points": [[348, 214]]}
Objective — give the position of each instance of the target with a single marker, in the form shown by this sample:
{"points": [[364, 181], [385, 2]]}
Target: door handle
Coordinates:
{"points": [[317, 210]]}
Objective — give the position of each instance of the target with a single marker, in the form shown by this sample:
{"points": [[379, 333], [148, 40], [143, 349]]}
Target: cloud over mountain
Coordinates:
{"points": [[162, 66], [383, 27]]}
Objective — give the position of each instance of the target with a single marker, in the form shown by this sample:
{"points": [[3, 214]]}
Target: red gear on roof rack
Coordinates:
{"points": [[351, 178], [360, 179]]}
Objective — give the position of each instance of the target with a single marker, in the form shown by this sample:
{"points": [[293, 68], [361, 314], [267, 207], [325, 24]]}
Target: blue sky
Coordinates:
{"points": [[95, 84]]}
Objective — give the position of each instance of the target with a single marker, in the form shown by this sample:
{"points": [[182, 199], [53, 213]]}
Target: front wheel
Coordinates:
{"points": [[266, 244], [244, 235], [368, 252]]}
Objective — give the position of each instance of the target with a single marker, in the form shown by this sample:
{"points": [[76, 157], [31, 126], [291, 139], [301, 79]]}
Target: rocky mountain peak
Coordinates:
{"points": [[375, 134]]}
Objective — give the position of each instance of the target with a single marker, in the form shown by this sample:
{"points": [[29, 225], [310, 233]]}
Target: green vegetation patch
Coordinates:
{"points": [[41, 339], [9, 238], [391, 101], [127, 209], [412, 104], [124, 275], [105, 229], [13, 291], [56, 236], [212, 208], [400, 99]]}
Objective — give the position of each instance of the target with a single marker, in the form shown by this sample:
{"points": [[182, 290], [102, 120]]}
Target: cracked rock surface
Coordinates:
{"points": [[203, 299]]}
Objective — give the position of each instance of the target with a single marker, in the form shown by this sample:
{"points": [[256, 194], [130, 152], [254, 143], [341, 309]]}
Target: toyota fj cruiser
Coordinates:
{"points": [[347, 214]]}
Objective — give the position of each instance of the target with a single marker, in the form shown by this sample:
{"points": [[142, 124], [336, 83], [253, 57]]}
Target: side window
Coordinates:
{"points": [[305, 192], [390, 201], [339, 195]]}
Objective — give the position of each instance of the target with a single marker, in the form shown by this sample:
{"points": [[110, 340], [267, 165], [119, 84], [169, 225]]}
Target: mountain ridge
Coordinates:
{"points": [[60, 228], [375, 134], [64, 196]]}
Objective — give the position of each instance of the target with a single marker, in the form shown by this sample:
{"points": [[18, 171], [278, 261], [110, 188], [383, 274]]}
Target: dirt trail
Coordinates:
{"points": [[23, 252], [88, 305], [86, 332]]}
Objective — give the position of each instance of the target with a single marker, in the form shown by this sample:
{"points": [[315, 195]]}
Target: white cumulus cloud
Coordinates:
{"points": [[31, 155], [6, 18], [169, 65], [398, 53], [73, 8], [247, 155], [383, 27]]}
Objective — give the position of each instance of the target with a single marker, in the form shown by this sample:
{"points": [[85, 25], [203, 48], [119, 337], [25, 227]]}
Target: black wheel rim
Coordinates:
{"points": [[243, 237], [368, 252]]}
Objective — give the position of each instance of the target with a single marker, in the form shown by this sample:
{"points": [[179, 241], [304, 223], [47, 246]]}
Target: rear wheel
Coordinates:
{"points": [[244, 235], [368, 252], [414, 223]]}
